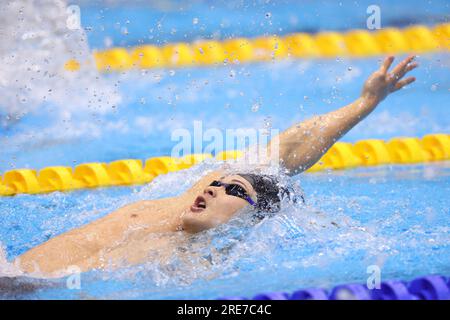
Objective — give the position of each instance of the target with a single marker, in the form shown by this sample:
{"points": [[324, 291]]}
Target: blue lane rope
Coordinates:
{"points": [[431, 287]]}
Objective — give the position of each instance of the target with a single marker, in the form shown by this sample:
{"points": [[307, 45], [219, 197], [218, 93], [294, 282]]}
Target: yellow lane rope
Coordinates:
{"points": [[342, 155], [327, 44]]}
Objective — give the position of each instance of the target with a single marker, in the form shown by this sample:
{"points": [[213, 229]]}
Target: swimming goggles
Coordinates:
{"points": [[234, 190]]}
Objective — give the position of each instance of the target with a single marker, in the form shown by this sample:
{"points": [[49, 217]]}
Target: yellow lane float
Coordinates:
{"points": [[229, 155], [436, 146], [5, 190], [126, 172], [420, 39], [405, 150], [208, 52], [191, 159], [90, 175], [442, 34], [339, 156], [268, 48], [57, 179], [147, 57], [115, 59], [22, 181], [361, 43], [301, 45], [372, 152], [391, 41], [178, 54], [325, 44], [331, 44], [342, 155], [238, 50], [160, 165], [72, 65]]}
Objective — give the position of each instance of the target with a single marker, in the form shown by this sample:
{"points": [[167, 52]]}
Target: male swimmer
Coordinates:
{"points": [[122, 236]]}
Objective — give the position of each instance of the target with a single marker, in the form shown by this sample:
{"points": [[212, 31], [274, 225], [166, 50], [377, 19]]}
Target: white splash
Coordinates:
{"points": [[7, 269], [36, 40]]}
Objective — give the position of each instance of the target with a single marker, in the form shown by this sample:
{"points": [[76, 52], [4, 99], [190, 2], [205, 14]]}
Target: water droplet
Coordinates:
{"points": [[195, 21]]}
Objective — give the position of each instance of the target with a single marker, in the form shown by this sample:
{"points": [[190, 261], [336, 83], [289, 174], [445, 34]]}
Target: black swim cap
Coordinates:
{"points": [[268, 191]]}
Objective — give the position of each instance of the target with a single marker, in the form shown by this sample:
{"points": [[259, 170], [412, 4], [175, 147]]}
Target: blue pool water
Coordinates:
{"points": [[396, 217], [393, 217]]}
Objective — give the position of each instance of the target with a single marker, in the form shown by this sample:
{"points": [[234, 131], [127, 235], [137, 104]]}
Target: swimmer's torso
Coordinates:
{"points": [[121, 235], [82, 246]]}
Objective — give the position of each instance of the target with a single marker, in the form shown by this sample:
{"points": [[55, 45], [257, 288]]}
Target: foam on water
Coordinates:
{"points": [[7, 269]]}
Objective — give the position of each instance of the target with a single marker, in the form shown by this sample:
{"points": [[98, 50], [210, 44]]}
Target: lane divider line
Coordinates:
{"points": [[326, 44], [430, 287], [342, 155]]}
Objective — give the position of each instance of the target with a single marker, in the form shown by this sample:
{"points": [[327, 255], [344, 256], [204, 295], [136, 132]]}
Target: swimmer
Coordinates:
{"points": [[122, 236]]}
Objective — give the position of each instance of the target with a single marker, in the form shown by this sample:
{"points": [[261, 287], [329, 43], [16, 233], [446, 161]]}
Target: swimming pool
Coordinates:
{"points": [[396, 217]]}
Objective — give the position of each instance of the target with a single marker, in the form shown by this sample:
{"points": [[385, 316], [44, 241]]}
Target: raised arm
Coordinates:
{"points": [[303, 144]]}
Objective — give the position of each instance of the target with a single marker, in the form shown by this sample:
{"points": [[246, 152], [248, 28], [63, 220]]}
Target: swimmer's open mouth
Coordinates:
{"points": [[199, 204]]}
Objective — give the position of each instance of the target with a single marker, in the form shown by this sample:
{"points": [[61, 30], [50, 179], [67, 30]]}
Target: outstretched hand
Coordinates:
{"points": [[382, 82]]}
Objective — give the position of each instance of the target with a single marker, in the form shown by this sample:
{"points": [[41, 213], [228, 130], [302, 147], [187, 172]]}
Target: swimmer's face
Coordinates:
{"points": [[214, 207]]}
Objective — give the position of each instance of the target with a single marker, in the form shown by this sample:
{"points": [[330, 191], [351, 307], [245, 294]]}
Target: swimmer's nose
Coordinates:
{"points": [[211, 191]]}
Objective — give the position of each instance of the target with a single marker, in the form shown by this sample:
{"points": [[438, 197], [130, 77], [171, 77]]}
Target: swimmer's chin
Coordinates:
{"points": [[194, 223]]}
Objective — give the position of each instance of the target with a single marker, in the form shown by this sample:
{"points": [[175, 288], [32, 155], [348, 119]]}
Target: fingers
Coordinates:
{"points": [[403, 83], [411, 66], [399, 71], [387, 64]]}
